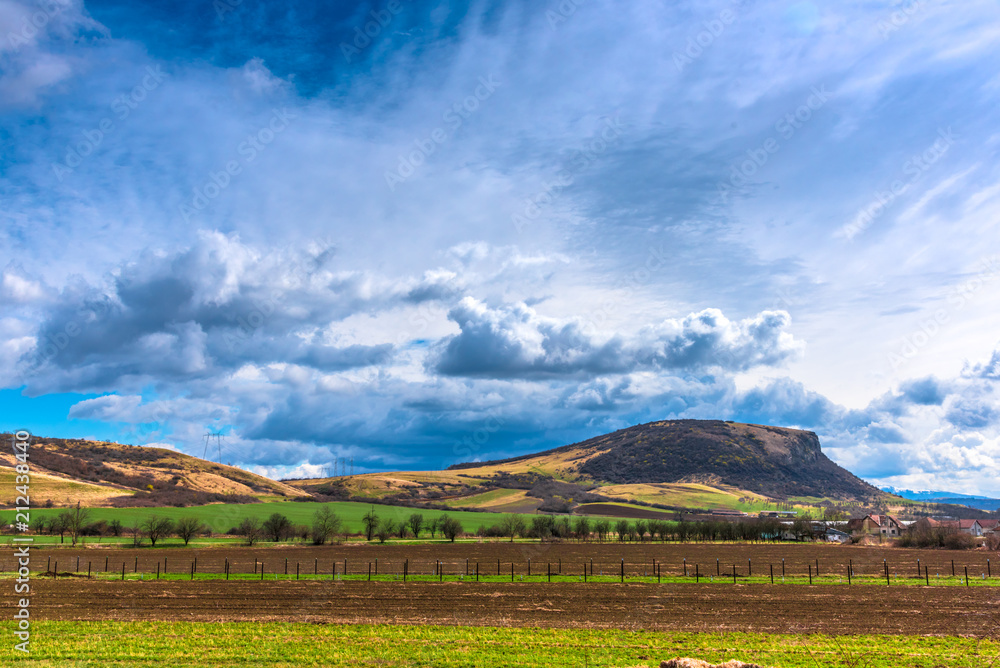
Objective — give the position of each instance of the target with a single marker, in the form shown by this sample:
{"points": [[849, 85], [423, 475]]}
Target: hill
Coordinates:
{"points": [[772, 461], [97, 473], [669, 465]]}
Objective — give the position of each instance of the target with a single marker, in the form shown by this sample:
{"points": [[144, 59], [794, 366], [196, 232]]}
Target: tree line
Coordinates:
{"points": [[327, 526]]}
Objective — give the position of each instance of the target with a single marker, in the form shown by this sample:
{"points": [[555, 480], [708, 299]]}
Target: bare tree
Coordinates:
{"points": [[582, 528], [60, 523], [371, 523], [250, 528], [416, 523], [187, 528], [135, 532], [325, 526], [450, 527], [511, 525], [78, 518], [602, 527], [115, 527], [157, 527], [386, 528], [277, 527]]}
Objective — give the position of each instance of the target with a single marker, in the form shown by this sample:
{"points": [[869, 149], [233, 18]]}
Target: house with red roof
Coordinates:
{"points": [[885, 525]]}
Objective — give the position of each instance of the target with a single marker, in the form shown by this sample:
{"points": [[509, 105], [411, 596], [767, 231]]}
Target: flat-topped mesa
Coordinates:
{"points": [[774, 461]]}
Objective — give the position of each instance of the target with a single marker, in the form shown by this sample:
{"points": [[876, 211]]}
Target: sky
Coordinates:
{"points": [[407, 234]]}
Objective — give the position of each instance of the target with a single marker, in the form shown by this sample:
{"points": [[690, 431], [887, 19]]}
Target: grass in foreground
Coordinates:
{"points": [[289, 645]]}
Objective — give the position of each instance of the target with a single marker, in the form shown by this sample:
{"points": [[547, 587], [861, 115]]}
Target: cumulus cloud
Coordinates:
{"points": [[33, 57], [319, 321], [215, 306], [513, 340]]}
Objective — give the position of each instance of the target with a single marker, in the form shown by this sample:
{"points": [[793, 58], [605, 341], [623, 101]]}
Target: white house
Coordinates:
{"points": [[972, 527]]}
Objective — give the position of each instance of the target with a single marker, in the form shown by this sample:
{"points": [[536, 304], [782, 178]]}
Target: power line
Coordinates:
{"points": [[209, 435]]}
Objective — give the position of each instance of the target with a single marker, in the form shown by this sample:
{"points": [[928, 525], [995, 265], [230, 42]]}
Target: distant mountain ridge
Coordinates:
{"points": [[954, 498], [774, 461]]}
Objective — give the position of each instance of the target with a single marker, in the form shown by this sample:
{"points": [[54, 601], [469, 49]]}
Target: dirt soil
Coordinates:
{"points": [[677, 607]]}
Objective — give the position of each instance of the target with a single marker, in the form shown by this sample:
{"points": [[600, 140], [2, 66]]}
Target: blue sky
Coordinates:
{"points": [[415, 233]]}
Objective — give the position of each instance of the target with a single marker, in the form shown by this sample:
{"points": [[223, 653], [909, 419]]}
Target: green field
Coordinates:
{"points": [[221, 517], [156, 644]]}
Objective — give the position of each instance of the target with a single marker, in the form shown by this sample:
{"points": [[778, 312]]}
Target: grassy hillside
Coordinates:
{"points": [[96, 473]]}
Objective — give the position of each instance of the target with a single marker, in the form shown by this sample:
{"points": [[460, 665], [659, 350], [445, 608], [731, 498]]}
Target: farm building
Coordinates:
{"points": [[972, 527], [885, 525], [990, 526], [836, 535]]}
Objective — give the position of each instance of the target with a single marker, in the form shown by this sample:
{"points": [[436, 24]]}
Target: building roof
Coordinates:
{"points": [[968, 524], [883, 520]]}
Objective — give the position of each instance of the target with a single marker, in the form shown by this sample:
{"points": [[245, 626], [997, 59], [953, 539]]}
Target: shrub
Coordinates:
{"points": [[959, 541]]}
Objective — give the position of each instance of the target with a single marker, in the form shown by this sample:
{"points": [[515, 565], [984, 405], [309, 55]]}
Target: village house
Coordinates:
{"points": [[885, 525], [972, 527], [990, 526]]}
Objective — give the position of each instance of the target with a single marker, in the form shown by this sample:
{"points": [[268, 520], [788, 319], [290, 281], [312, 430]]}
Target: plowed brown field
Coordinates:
{"points": [[681, 607]]}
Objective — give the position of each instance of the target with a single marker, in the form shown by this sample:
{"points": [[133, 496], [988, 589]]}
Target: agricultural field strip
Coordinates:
{"points": [[287, 644], [671, 559], [743, 608]]}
